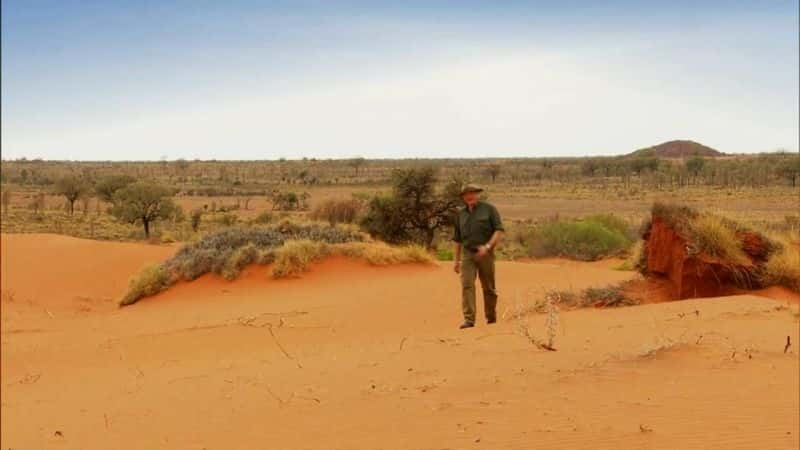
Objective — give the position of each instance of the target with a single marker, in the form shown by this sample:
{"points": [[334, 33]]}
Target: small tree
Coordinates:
{"points": [[37, 203], [182, 165], [414, 211], [72, 188], [196, 217], [356, 164], [143, 203], [6, 200], [85, 202], [790, 169], [493, 171], [695, 164], [107, 187]]}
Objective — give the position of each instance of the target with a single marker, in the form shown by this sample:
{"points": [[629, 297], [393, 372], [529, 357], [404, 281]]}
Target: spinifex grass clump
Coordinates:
{"points": [[296, 256], [783, 266], [228, 251], [292, 247]]}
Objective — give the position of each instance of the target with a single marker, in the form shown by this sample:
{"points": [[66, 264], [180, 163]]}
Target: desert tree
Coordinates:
{"points": [[790, 169], [356, 164], [642, 164], [182, 165], [85, 203], [72, 188], [493, 171], [196, 217], [415, 210], [695, 165], [246, 202], [37, 203], [6, 198], [108, 186], [144, 203]]}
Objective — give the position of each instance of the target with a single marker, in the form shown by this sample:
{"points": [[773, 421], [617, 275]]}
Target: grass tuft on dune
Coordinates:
{"points": [[295, 257], [290, 247], [783, 267]]}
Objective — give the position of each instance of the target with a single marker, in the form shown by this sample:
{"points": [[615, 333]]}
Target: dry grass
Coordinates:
{"points": [[150, 281], [717, 237], [289, 258], [783, 266], [635, 259], [550, 305], [295, 257]]}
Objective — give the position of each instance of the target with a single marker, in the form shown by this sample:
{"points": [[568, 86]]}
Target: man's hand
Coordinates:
{"points": [[457, 267], [483, 250]]}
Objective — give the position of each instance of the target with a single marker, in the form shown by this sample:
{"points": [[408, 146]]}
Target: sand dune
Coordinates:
{"points": [[357, 357]]}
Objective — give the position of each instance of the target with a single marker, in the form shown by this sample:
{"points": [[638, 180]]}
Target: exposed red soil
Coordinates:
{"points": [[695, 274]]}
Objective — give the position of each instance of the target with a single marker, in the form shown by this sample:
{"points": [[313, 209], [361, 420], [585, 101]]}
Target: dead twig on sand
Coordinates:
{"points": [[27, 379], [788, 344], [402, 341], [552, 299], [283, 350], [493, 335], [280, 401]]}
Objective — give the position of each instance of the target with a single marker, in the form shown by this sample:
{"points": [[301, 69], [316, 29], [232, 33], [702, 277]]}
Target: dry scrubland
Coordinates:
{"points": [[225, 349], [759, 190]]}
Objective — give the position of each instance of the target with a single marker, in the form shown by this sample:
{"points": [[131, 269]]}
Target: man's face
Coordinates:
{"points": [[470, 198]]}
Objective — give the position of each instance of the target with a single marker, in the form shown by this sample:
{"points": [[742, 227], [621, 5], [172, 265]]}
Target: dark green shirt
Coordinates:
{"points": [[474, 228]]}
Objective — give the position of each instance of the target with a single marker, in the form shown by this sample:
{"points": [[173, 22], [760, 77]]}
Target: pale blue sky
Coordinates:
{"points": [[262, 80]]}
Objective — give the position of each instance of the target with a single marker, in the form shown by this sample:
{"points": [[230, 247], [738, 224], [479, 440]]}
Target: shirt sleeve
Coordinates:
{"points": [[497, 223], [456, 230]]}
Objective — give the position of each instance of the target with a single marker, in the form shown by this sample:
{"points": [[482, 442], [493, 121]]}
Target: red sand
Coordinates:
{"points": [[356, 357]]}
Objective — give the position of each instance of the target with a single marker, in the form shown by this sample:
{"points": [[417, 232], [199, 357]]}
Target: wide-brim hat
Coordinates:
{"points": [[469, 187]]}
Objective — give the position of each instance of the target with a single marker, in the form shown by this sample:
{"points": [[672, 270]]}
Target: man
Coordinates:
{"points": [[477, 231]]}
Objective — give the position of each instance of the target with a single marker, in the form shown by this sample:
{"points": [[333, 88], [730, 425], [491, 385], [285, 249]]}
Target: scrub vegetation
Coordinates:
{"points": [[580, 208], [289, 247]]}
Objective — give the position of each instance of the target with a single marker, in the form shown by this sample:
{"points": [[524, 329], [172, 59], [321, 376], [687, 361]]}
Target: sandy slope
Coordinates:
{"points": [[355, 357]]}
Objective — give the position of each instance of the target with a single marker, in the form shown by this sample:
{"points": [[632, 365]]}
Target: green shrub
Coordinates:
{"points": [[612, 222], [586, 239], [444, 254]]}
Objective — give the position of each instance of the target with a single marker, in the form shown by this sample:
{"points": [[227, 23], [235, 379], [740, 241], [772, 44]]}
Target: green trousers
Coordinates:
{"points": [[484, 270]]}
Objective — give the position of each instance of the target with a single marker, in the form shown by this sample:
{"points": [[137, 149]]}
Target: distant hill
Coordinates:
{"points": [[677, 149]]}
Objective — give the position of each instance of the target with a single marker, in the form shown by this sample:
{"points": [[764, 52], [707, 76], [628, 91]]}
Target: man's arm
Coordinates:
{"points": [[497, 236], [457, 257], [457, 245], [497, 226]]}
